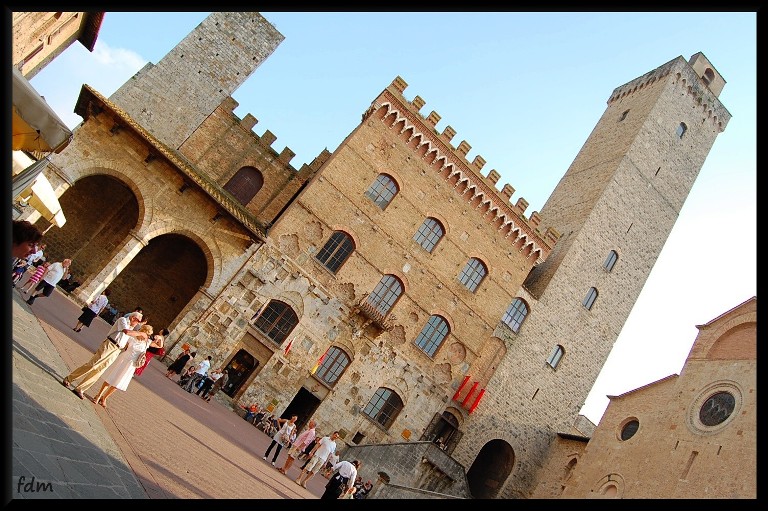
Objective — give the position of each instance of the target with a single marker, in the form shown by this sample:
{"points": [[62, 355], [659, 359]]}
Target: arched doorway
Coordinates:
{"points": [[101, 211], [490, 469], [239, 368], [162, 279]]}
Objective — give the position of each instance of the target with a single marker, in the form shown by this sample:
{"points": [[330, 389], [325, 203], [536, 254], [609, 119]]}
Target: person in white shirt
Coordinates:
{"points": [[200, 372], [319, 453], [53, 275], [92, 310], [105, 354], [342, 481]]}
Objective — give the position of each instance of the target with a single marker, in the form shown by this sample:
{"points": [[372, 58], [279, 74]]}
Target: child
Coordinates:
{"points": [[18, 271], [35, 278]]}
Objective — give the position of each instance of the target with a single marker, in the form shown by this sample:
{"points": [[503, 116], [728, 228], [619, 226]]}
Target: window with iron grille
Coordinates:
{"points": [[432, 335], [385, 294], [382, 191], [333, 366], [429, 234], [384, 407], [610, 261], [589, 300], [472, 274], [555, 356], [515, 315], [336, 251], [276, 321]]}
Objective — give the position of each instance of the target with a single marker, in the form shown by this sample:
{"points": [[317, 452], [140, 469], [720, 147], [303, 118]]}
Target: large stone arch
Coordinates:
{"points": [[491, 468], [164, 277], [163, 227]]}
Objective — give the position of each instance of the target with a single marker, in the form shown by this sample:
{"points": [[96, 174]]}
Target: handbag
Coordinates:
{"points": [[140, 361]]}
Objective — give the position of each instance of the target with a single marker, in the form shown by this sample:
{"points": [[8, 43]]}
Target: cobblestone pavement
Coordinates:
{"points": [[154, 440]]}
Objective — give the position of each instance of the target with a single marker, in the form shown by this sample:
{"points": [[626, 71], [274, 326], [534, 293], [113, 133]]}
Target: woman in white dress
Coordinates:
{"points": [[120, 373]]}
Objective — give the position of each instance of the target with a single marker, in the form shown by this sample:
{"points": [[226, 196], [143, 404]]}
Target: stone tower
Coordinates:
{"points": [[172, 98], [618, 201]]}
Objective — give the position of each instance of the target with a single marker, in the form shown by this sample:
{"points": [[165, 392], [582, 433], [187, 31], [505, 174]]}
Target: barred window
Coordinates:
{"points": [[382, 191], [276, 321], [589, 300], [333, 366], [515, 315], [384, 407], [610, 261], [555, 356], [432, 335], [429, 234], [473, 273], [385, 294], [336, 251]]}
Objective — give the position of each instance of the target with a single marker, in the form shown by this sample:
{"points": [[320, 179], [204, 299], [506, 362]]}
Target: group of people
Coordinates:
{"points": [[126, 351], [319, 453], [199, 378]]}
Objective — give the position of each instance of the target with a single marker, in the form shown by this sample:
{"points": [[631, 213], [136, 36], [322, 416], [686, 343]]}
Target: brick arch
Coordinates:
{"points": [[440, 218], [109, 168], [346, 229], [156, 229], [400, 275]]}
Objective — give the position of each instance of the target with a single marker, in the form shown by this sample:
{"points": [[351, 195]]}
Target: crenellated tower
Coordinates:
{"points": [[173, 97], [614, 207]]}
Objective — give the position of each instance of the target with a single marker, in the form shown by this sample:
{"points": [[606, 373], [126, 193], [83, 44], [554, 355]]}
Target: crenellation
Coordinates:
{"points": [[249, 121], [268, 138], [478, 162], [320, 159], [433, 118], [448, 134], [399, 84], [534, 219], [507, 192], [493, 176], [521, 204], [463, 148], [417, 103], [286, 155]]}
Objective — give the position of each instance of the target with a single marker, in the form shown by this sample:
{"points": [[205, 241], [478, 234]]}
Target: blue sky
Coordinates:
{"points": [[524, 90]]}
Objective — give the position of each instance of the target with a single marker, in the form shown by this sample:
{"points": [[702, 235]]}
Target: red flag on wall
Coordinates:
{"points": [[319, 362], [288, 347]]}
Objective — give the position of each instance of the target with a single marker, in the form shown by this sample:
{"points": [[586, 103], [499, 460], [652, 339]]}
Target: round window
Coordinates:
{"points": [[629, 429], [717, 408]]}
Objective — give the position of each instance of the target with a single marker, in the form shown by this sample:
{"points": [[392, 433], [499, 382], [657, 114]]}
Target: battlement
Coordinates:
{"points": [[697, 78], [451, 162], [267, 139]]}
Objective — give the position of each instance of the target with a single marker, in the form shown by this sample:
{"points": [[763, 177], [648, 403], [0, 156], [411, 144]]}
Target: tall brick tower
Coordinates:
{"points": [[172, 98], [617, 202]]}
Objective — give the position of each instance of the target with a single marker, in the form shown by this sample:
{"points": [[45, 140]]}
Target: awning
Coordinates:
{"points": [[24, 179], [36, 127], [40, 195]]}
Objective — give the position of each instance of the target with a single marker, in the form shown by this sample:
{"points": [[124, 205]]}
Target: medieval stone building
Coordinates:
{"points": [[388, 289]]}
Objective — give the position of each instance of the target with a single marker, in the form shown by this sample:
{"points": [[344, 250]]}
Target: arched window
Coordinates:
{"points": [[385, 294], [708, 76], [276, 321], [429, 234], [555, 356], [589, 300], [681, 129], [610, 261], [473, 273], [245, 184], [334, 363], [432, 335], [382, 191], [384, 407], [336, 250], [515, 315], [623, 115]]}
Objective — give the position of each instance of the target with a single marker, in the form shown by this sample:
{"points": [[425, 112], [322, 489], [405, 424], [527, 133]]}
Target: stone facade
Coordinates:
{"points": [[679, 449], [308, 338], [39, 37]]}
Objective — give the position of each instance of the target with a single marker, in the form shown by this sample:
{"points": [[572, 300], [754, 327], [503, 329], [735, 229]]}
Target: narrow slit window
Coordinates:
{"points": [[589, 300]]}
